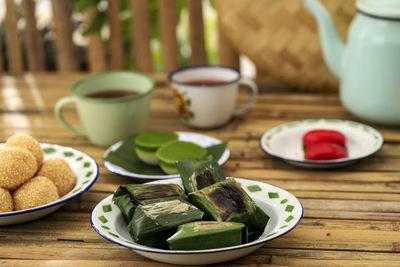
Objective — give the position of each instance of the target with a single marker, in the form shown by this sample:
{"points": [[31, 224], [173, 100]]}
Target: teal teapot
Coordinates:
{"points": [[368, 66]]}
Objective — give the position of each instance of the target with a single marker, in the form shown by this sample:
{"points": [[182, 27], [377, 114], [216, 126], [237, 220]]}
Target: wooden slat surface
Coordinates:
{"points": [[196, 33], [13, 40], [34, 47], [1, 56], [117, 53], [227, 55], [65, 50], [168, 20], [95, 49], [351, 214], [141, 35]]}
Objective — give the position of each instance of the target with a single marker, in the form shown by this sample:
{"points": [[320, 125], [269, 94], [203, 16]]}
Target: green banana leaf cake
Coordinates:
{"points": [[148, 143], [226, 201], [152, 224], [172, 151], [128, 197], [168, 217], [208, 235], [199, 173]]}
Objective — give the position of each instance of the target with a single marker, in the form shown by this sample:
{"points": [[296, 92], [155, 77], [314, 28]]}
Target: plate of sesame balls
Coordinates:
{"points": [[36, 178]]}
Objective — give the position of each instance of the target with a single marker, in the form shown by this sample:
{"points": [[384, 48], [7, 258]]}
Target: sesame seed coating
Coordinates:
{"points": [[17, 165], [6, 201], [36, 192], [58, 170], [27, 142]]}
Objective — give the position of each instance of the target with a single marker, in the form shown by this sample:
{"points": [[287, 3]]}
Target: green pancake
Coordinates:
{"points": [[170, 152], [148, 143]]}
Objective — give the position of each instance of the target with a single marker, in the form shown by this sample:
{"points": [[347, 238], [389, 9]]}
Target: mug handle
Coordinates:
{"points": [[60, 117], [254, 93]]}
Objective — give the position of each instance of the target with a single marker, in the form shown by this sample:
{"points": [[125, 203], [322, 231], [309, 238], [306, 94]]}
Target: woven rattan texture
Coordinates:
{"points": [[281, 38]]}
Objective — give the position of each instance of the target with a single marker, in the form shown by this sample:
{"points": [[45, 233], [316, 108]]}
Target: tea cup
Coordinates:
{"points": [[111, 105], [206, 95]]}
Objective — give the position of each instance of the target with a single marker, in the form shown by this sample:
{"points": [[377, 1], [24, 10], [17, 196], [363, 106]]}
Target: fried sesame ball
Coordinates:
{"points": [[29, 143], [6, 201], [36, 192], [17, 165], [58, 170]]}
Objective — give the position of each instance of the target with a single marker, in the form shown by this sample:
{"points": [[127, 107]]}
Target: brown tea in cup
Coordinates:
{"points": [[204, 82], [111, 94]]}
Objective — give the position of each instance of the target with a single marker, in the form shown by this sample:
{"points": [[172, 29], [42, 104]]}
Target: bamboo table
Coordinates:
{"points": [[351, 215]]}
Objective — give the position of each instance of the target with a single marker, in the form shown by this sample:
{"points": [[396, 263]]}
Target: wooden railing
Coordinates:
{"points": [[66, 52]]}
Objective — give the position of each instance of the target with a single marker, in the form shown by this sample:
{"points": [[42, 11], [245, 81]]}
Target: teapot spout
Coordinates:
{"points": [[332, 45]]}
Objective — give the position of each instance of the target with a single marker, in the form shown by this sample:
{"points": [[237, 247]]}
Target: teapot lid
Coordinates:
{"points": [[386, 9]]}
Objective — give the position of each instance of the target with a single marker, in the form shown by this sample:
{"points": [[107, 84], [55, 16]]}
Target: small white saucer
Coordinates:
{"points": [[285, 142], [200, 139]]}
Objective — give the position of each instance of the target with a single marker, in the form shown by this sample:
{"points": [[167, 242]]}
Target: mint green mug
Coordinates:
{"points": [[111, 105]]}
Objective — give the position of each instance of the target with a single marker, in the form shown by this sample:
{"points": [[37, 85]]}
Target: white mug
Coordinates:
{"points": [[206, 95]]}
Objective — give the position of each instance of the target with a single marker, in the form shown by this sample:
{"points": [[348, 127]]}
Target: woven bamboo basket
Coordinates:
{"points": [[281, 38]]}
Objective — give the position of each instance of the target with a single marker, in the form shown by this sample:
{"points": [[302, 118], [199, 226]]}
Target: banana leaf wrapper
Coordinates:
{"points": [[125, 204], [197, 174], [226, 201], [152, 224], [208, 235], [128, 197]]}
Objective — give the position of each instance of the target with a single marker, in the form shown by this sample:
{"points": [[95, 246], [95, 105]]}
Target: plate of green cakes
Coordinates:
{"points": [[152, 155], [200, 218]]}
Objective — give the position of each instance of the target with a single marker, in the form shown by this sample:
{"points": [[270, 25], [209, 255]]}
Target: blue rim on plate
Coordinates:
{"points": [[77, 190], [352, 130], [200, 139], [284, 209]]}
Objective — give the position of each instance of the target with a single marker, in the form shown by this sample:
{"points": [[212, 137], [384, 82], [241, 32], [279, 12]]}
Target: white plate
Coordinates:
{"points": [[285, 142], [200, 139], [284, 209], [85, 169]]}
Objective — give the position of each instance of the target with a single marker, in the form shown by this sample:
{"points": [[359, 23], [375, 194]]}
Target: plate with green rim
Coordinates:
{"points": [[200, 139], [284, 209], [285, 142], [86, 171]]}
